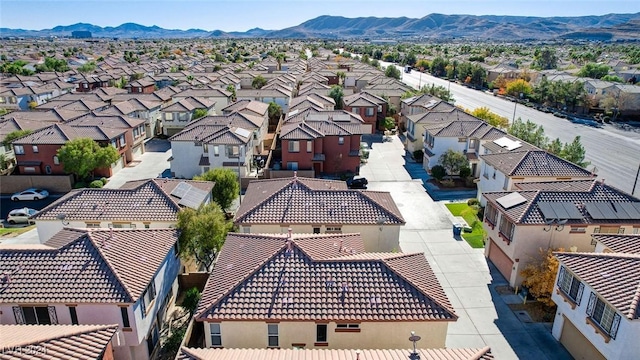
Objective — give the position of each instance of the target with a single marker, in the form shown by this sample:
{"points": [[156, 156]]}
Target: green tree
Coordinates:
{"points": [[392, 72], [258, 82], [337, 95], [453, 161], [275, 112], [517, 87], [202, 233], [191, 299], [226, 188], [232, 89], [16, 134], [529, 132], [16, 68], [82, 156], [87, 67], [199, 113], [490, 117], [594, 71], [438, 66], [574, 152], [555, 147], [438, 91], [545, 59]]}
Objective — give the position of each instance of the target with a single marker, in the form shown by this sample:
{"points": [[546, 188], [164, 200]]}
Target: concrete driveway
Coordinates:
{"points": [[465, 274], [153, 163]]}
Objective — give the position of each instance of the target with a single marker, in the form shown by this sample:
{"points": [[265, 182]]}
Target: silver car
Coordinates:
{"points": [[21, 216], [30, 194]]}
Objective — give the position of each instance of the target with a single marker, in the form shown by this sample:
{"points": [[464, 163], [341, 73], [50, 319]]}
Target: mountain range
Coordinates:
{"points": [[432, 26]]}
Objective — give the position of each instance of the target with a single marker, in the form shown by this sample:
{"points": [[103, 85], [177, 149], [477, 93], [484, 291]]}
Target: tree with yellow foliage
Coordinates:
{"points": [[540, 276], [519, 86], [490, 117]]}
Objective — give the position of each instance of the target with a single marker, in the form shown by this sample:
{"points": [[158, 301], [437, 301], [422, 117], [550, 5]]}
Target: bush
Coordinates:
{"points": [[80, 185], [96, 184], [438, 172], [172, 344], [191, 299], [418, 155], [104, 180], [480, 213], [472, 202], [448, 183], [465, 172]]}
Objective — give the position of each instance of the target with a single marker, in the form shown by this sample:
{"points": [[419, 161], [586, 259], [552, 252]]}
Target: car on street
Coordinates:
{"points": [[21, 216], [357, 182], [30, 194]]}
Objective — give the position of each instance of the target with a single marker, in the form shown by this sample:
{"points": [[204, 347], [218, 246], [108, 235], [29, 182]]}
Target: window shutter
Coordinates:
{"points": [[17, 312], [52, 315], [579, 295], [614, 326], [592, 304], [561, 276]]}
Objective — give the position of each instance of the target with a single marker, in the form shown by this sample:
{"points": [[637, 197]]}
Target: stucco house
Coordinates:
{"points": [[140, 204], [320, 206], [558, 214], [442, 112], [115, 276], [177, 115], [319, 292], [371, 108]]}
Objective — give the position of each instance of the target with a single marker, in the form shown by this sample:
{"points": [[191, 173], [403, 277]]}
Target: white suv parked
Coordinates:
{"points": [[21, 216]]}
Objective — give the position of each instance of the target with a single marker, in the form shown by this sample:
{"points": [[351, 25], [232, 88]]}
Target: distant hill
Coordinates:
{"points": [[432, 26]]}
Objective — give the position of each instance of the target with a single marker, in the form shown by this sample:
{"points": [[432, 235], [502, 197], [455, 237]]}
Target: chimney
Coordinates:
{"points": [[290, 236], [295, 175], [341, 247]]}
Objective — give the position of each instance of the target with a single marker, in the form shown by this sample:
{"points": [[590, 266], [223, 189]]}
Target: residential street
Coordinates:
{"points": [[468, 279]]}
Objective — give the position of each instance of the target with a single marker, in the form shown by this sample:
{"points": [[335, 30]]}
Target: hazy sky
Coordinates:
{"points": [[241, 15]]}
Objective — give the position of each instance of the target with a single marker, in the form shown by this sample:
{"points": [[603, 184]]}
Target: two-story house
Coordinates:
{"points": [[371, 108], [177, 115], [309, 205], [37, 152], [88, 277], [147, 109], [141, 204], [560, 214], [319, 292], [277, 95], [142, 86], [221, 97], [598, 315], [416, 124]]}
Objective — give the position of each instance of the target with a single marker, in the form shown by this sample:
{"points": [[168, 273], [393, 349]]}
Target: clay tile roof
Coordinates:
{"points": [[61, 133], [620, 243], [97, 266], [81, 342], [260, 277], [332, 354], [568, 185], [293, 201], [534, 163], [613, 276]]}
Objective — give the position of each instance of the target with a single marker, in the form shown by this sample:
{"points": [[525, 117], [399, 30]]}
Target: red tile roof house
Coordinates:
{"points": [[140, 204], [327, 142], [142, 86], [57, 341], [36, 153], [560, 214], [598, 298], [371, 108], [320, 206], [332, 354], [320, 292], [127, 277]]}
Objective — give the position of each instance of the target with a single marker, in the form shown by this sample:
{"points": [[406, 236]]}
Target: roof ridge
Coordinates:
{"points": [[82, 329], [529, 206], [634, 308], [519, 163], [274, 194], [364, 193], [611, 255], [104, 257]]}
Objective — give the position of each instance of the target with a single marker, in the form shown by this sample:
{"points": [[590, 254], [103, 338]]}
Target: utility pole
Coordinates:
{"points": [[636, 181]]}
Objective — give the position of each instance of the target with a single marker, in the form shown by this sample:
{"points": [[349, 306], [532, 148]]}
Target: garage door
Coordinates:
{"points": [[117, 166], [500, 260], [577, 344], [137, 151]]}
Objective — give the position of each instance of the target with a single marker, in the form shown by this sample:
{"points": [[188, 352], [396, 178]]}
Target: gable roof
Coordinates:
{"points": [[82, 342], [304, 201], [614, 276], [332, 354], [535, 163], [620, 243], [259, 277], [85, 266], [58, 134]]}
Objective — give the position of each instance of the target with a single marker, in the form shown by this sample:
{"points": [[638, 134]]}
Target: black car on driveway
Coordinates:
{"points": [[357, 182]]}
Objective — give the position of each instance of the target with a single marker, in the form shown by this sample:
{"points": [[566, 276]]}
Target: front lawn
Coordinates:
{"points": [[14, 231], [470, 215]]}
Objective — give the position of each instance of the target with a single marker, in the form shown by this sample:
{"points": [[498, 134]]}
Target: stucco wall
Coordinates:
{"points": [[52, 183], [47, 228]]}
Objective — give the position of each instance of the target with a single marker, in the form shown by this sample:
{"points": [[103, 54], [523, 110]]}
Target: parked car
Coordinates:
{"points": [[560, 115], [357, 182], [30, 194], [21, 216]]}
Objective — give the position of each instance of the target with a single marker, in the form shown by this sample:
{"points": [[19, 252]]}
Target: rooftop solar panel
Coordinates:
{"points": [[511, 200], [181, 189]]}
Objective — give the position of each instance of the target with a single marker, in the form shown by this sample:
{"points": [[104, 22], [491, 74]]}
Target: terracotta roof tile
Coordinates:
{"points": [[613, 276], [534, 163], [293, 201], [620, 243], [264, 277], [569, 185]]}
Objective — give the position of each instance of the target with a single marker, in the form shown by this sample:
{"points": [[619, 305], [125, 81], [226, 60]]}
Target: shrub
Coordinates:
{"points": [[80, 185], [418, 155], [472, 202], [480, 213], [104, 180], [96, 184], [465, 172], [438, 172], [172, 344], [191, 299], [449, 183]]}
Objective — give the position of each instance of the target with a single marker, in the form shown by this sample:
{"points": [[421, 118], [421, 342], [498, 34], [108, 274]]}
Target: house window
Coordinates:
{"points": [[183, 117], [491, 214], [430, 140], [122, 141], [486, 171], [18, 149], [123, 226], [34, 148], [294, 146], [205, 149], [216, 335], [47, 169], [92, 225], [233, 151], [334, 230], [355, 110], [464, 140], [292, 165], [506, 229], [473, 143], [73, 314], [341, 140], [309, 146], [272, 330], [347, 327], [168, 116], [570, 285], [578, 229], [114, 143], [321, 333], [316, 230], [609, 230], [370, 111], [216, 150], [603, 315], [37, 315], [506, 183], [147, 297]]}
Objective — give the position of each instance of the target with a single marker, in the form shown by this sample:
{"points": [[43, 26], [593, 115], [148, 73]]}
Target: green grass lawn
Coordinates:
{"points": [[470, 215], [14, 231]]}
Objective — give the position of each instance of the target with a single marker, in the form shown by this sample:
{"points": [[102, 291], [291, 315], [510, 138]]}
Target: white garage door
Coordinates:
{"points": [[137, 151], [500, 260], [117, 166]]}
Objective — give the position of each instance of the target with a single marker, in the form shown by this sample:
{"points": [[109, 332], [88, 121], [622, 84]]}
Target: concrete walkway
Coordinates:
{"points": [[153, 163], [465, 274]]}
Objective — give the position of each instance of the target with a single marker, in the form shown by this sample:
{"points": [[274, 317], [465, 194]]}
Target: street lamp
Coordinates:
{"points": [[414, 338]]}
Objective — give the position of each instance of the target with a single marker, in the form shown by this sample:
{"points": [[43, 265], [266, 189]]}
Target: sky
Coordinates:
{"points": [[242, 15]]}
